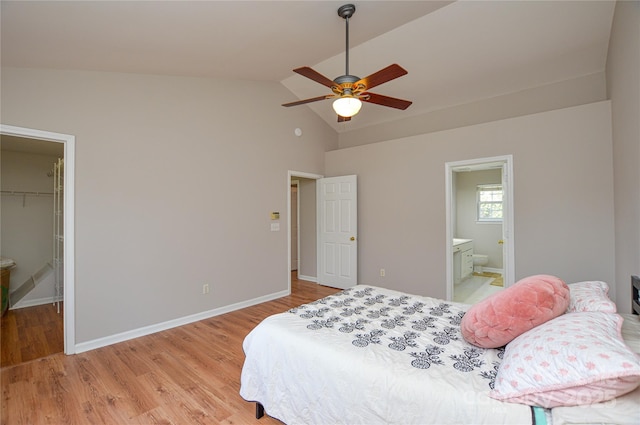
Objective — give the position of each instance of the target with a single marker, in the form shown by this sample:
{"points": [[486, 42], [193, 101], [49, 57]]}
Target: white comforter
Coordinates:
{"points": [[370, 355]]}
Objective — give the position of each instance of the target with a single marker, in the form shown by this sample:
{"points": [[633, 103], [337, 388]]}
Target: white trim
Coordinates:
{"points": [[505, 161], [304, 175], [69, 222], [493, 270], [290, 174], [159, 327], [37, 301], [449, 212], [509, 262], [308, 278]]}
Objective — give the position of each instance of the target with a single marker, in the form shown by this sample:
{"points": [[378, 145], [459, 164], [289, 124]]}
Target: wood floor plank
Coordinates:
{"points": [[9, 342], [31, 333], [185, 375]]}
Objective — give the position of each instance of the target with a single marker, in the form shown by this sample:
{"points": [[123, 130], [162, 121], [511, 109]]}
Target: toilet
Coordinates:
{"points": [[479, 260]]}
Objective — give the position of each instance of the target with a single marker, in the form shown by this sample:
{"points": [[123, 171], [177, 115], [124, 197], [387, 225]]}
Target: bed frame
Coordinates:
{"points": [[259, 410], [635, 294]]}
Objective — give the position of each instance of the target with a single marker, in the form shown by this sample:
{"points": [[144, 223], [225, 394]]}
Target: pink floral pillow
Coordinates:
{"points": [[500, 318], [574, 359], [590, 296]]}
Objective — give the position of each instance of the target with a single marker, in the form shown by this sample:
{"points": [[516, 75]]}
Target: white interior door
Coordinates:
{"points": [[337, 199]]}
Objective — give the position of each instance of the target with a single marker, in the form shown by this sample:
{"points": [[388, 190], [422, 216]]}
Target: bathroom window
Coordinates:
{"points": [[489, 201]]}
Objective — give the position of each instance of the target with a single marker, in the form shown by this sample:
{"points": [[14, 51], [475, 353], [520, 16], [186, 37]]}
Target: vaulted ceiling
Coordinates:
{"points": [[455, 52]]}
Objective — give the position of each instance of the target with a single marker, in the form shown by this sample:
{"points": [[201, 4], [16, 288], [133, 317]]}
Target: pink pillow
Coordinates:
{"points": [[500, 318], [575, 359], [590, 296]]}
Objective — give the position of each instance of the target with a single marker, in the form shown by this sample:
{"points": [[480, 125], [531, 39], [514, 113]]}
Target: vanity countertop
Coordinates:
{"points": [[457, 241]]}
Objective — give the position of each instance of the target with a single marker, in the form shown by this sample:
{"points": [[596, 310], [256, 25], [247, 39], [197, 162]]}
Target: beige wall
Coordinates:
{"points": [[563, 201], [623, 86], [563, 94], [156, 213]]}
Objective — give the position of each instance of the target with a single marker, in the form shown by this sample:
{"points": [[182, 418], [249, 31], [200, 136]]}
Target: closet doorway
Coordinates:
{"points": [[23, 141]]}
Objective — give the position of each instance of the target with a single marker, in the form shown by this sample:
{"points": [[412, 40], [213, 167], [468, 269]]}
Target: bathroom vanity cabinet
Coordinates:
{"points": [[462, 259]]}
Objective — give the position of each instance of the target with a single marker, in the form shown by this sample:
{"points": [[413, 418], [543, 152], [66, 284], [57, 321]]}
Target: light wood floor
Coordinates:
{"points": [[185, 375], [31, 333]]}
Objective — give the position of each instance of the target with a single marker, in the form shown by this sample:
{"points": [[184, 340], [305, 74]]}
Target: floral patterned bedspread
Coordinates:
{"points": [[373, 355], [426, 330]]}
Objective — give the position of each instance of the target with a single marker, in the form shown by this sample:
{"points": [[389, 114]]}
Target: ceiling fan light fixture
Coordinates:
{"points": [[347, 106], [348, 90]]}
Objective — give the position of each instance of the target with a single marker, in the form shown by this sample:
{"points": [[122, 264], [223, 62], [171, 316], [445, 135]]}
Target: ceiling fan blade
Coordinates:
{"points": [[386, 74], [314, 99], [343, 119], [391, 102], [305, 71]]}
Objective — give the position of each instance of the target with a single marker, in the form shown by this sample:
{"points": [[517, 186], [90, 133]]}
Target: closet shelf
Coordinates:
{"points": [[22, 193]]}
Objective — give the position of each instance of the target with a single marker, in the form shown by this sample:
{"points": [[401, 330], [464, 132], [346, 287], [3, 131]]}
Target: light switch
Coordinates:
{"points": [[275, 227]]}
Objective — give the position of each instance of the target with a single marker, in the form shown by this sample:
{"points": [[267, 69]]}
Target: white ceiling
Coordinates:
{"points": [[455, 52]]}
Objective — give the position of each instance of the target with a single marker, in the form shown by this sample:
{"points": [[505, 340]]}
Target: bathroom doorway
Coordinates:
{"points": [[479, 228], [43, 138]]}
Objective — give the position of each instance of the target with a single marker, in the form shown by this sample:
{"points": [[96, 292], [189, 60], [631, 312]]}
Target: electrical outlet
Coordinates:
{"points": [[381, 272], [205, 288]]}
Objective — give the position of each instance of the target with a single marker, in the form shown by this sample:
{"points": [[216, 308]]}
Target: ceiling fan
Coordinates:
{"points": [[348, 90]]}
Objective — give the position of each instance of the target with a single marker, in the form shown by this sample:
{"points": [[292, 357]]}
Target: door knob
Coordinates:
{"points": [[501, 241], [353, 238]]}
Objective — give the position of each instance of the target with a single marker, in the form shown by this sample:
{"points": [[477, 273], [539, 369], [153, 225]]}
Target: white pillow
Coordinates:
{"points": [[574, 359], [590, 296]]}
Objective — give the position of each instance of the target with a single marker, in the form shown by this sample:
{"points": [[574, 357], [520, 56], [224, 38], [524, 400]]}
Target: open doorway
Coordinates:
{"points": [[302, 229], [66, 227], [479, 228]]}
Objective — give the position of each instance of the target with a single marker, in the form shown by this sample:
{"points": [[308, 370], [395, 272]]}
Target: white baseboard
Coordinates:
{"points": [[147, 330], [35, 302], [308, 278], [493, 270]]}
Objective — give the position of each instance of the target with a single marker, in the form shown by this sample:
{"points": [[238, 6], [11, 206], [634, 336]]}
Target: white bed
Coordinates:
{"points": [[371, 355]]}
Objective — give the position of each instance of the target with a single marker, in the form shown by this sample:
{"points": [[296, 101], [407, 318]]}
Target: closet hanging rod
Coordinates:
{"points": [[22, 193]]}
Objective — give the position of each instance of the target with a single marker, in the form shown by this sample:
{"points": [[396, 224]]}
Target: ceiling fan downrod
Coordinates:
{"points": [[346, 11]]}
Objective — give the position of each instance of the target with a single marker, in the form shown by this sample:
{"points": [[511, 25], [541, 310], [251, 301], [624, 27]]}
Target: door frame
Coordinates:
{"points": [[69, 142], [507, 223], [292, 175], [296, 182]]}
